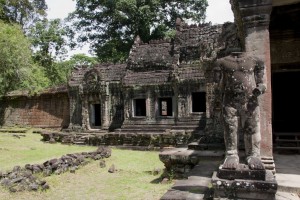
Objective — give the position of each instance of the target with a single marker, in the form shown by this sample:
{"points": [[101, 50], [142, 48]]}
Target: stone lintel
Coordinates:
{"points": [[256, 15], [245, 189], [254, 3], [242, 172]]}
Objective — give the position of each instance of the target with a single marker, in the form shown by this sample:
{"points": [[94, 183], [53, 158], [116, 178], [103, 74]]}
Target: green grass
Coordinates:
{"points": [[30, 149], [131, 181]]}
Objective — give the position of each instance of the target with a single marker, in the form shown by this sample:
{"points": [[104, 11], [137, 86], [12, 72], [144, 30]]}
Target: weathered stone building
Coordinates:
{"points": [[166, 86]]}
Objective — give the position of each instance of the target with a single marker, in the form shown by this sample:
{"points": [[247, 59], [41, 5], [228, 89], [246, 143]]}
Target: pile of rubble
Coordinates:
{"points": [[21, 179]]}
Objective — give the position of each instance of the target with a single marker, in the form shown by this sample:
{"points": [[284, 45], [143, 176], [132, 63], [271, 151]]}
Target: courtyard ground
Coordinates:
{"points": [[134, 178]]}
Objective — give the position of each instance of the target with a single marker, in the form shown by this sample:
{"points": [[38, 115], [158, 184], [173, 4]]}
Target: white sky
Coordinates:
{"points": [[218, 12]]}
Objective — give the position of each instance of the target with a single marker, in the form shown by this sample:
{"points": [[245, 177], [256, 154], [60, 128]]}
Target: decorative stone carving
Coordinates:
{"points": [[241, 79]]}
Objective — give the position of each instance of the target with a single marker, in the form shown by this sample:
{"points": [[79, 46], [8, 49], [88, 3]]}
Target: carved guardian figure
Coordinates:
{"points": [[241, 80]]}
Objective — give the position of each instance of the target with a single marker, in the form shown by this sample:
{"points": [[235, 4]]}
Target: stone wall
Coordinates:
{"points": [[47, 110]]}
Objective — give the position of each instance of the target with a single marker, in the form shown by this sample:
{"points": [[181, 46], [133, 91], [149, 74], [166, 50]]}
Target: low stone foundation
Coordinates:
{"points": [[119, 139]]}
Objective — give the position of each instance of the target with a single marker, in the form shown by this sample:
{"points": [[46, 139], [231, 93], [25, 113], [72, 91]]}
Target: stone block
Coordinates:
{"points": [[245, 189], [242, 172]]}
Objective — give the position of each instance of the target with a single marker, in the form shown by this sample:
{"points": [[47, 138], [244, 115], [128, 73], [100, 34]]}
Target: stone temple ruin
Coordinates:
{"points": [[165, 95], [164, 91], [165, 85]]}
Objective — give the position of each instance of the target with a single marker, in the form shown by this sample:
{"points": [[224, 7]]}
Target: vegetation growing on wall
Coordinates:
{"points": [[111, 26]]}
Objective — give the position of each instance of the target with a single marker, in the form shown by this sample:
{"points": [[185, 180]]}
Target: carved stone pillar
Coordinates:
{"points": [[106, 109], [252, 18], [148, 105]]}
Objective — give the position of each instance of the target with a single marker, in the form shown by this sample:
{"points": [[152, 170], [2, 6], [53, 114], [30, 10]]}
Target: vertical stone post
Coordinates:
{"points": [[252, 18], [148, 105], [106, 109]]}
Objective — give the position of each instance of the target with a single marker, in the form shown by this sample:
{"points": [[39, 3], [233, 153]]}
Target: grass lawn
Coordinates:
{"points": [[131, 181]]}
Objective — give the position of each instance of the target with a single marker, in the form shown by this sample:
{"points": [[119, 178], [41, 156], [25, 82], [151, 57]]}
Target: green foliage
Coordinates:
{"points": [[82, 59], [62, 69], [49, 44], [15, 57], [35, 81], [23, 12], [2, 11], [110, 26]]}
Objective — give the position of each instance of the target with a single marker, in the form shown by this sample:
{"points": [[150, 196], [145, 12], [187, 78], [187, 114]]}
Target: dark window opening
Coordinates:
{"points": [[199, 102], [165, 107], [140, 107]]}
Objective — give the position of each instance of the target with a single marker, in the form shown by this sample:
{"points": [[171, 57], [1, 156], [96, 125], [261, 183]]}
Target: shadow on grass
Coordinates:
{"points": [[157, 180], [164, 178]]}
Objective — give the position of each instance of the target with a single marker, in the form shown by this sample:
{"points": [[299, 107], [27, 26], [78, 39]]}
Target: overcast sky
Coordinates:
{"points": [[218, 12]]}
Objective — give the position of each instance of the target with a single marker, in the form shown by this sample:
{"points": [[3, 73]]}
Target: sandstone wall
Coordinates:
{"points": [[46, 110]]}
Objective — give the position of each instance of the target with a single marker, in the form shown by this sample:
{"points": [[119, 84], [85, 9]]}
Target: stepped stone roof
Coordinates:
{"points": [[106, 72], [157, 77], [158, 54]]}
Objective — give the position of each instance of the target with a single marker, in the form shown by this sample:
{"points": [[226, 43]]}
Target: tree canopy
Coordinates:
{"points": [[49, 46], [33, 49], [110, 26], [23, 12], [16, 65]]}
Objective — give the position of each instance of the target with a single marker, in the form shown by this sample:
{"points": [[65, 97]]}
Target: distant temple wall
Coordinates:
{"points": [[48, 110]]}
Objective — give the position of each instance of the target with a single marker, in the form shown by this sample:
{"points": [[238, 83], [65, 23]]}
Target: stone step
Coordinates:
{"points": [[142, 131], [162, 127], [79, 143], [95, 131], [288, 182], [182, 195], [197, 185], [197, 146], [188, 127], [286, 196]]}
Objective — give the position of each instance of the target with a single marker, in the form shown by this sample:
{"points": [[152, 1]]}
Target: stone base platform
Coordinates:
{"points": [[245, 189], [182, 160], [242, 172]]}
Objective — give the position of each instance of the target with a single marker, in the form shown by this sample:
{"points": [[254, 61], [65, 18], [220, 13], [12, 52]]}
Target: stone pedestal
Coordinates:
{"points": [[242, 172], [244, 183]]}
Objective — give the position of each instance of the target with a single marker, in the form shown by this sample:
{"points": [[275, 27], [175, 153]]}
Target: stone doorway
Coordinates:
{"points": [[139, 106], [285, 65], [286, 101], [95, 116], [198, 102]]}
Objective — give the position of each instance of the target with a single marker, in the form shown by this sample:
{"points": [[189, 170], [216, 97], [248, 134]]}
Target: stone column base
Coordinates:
{"points": [[245, 189]]}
